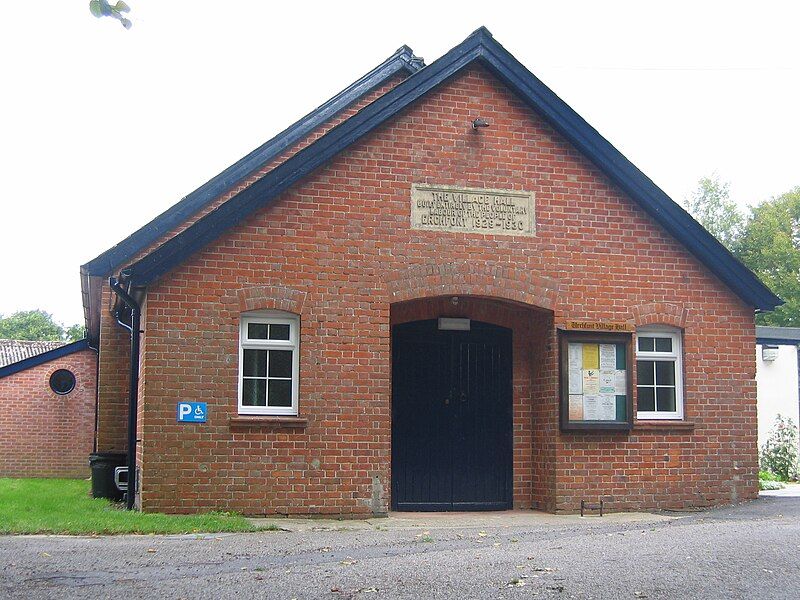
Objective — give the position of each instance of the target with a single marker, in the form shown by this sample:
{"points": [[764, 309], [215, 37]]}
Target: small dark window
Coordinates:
{"points": [[256, 331], [278, 331], [62, 382], [663, 344]]}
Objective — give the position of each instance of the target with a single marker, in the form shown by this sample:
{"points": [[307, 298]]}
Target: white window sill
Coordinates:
{"points": [[271, 421]]}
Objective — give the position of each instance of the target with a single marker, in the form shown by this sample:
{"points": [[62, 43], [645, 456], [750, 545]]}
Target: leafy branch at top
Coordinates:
{"points": [[38, 325], [101, 8], [766, 239]]}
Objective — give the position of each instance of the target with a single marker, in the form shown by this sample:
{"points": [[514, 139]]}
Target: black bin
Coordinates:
{"points": [[103, 465]]}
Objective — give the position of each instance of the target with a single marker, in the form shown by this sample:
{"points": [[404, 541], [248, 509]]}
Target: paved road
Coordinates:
{"points": [[748, 551]]}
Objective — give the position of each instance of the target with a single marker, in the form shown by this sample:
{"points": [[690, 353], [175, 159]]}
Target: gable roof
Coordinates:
{"points": [[46, 356], [403, 60], [480, 47], [12, 351]]}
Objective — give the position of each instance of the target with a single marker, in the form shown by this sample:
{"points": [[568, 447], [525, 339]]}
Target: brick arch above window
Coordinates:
{"points": [[462, 278], [660, 313], [271, 297]]}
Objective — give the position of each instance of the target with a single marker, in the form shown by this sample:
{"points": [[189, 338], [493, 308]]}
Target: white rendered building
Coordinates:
{"points": [[777, 377]]}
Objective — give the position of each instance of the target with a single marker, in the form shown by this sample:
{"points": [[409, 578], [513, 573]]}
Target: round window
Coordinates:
{"points": [[62, 382]]}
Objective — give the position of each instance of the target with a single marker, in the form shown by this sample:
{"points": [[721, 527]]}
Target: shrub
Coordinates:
{"points": [[767, 476], [779, 452], [764, 484]]}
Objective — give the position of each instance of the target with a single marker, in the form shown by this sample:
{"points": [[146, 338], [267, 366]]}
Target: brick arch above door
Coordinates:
{"points": [[463, 278]]}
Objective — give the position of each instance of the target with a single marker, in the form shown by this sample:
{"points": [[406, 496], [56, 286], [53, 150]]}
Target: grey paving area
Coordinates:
{"points": [[747, 551], [789, 490], [453, 520]]}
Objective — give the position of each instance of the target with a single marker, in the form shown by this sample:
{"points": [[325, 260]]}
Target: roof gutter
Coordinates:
{"points": [[133, 390]]}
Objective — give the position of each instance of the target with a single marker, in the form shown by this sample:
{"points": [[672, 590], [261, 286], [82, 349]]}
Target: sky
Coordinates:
{"points": [[102, 128]]}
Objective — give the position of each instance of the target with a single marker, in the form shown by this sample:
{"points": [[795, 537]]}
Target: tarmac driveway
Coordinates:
{"points": [[748, 551]]}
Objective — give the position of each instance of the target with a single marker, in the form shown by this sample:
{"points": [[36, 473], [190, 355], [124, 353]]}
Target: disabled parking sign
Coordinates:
{"points": [[191, 412]]}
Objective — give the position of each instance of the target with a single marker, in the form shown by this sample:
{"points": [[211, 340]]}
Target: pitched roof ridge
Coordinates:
{"points": [[12, 351], [481, 31], [479, 46], [16, 341], [403, 59], [40, 359]]}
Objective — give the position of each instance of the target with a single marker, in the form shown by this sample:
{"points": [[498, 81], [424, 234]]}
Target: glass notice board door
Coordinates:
{"points": [[596, 391]]}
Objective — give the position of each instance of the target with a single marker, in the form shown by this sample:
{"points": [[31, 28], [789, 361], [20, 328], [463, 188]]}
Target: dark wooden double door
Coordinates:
{"points": [[452, 432]]}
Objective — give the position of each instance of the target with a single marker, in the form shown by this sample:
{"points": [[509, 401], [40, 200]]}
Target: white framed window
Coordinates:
{"points": [[659, 373], [269, 363]]}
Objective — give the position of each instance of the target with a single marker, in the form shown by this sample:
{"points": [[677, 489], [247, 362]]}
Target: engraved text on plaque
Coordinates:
{"points": [[445, 208]]}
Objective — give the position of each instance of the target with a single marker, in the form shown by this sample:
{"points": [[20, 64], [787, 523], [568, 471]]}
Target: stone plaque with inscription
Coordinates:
{"points": [[445, 208]]}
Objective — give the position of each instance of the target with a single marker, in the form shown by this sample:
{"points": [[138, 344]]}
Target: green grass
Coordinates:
{"points": [[65, 506]]}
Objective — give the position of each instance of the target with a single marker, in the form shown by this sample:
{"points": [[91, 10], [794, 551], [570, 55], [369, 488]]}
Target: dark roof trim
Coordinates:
{"points": [[402, 60], [778, 336], [776, 342], [40, 359], [672, 217], [481, 47]]}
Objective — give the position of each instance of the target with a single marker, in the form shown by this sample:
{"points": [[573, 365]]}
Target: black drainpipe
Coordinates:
{"points": [[133, 392]]}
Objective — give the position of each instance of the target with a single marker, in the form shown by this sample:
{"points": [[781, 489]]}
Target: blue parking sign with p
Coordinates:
{"points": [[191, 412]]}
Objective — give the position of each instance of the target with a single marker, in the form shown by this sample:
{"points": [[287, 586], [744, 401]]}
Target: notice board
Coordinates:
{"points": [[595, 375]]}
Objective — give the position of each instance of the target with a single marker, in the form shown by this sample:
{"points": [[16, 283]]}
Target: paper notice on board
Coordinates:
{"points": [[575, 374], [620, 382], [591, 356], [591, 408], [608, 357], [575, 381], [575, 407], [607, 407], [575, 356], [591, 381], [607, 382]]}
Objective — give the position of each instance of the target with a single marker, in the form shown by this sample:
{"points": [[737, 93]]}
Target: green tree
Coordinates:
{"points": [[37, 325], [711, 206], [770, 246], [101, 8], [75, 332], [30, 325]]}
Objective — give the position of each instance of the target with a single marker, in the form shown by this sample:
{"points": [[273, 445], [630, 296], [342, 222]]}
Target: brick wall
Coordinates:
{"points": [[337, 250], [544, 397], [112, 381], [43, 434], [115, 341]]}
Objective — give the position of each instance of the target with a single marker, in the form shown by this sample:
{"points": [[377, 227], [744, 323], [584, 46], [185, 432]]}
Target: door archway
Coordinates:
{"points": [[452, 421]]}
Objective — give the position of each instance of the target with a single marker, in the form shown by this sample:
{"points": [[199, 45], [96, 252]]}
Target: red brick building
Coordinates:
{"points": [[47, 408], [441, 290]]}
